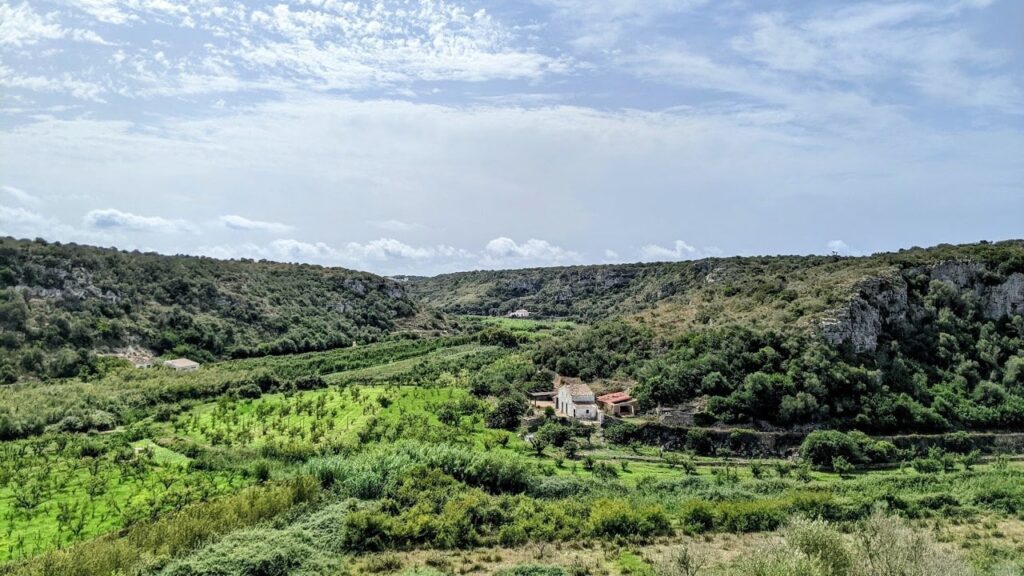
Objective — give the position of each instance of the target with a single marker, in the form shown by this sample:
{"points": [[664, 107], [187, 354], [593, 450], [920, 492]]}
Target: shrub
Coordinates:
{"points": [[821, 447], [257, 552], [882, 545], [261, 471], [367, 531], [842, 466], [890, 546], [621, 432], [619, 518], [750, 515], [927, 465], [822, 543], [698, 517], [507, 414], [377, 563], [699, 441]]}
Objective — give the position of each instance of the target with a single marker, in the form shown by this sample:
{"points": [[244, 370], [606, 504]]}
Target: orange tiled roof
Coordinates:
{"points": [[614, 398]]}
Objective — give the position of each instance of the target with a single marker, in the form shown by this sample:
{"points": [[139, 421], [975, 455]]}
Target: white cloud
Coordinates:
{"points": [[303, 45], [236, 222], [925, 46], [20, 195], [478, 169], [21, 26], [22, 223], [111, 219], [383, 254], [65, 83], [386, 249], [679, 251], [838, 247], [358, 45], [503, 250], [14, 221]]}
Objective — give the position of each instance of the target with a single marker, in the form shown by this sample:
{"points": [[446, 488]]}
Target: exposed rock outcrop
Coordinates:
{"points": [[882, 301], [878, 301]]}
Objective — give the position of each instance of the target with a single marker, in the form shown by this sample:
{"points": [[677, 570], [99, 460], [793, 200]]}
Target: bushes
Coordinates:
{"points": [[172, 535], [255, 552], [698, 517], [620, 432], [367, 531], [821, 447], [532, 570], [881, 545], [612, 518], [375, 473], [752, 515], [507, 414]]}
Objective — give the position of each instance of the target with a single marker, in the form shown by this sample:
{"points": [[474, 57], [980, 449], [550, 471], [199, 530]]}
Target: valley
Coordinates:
{"points": [[765, 440]]}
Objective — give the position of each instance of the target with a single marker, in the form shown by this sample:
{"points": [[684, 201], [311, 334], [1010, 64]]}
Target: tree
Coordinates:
{"points": [[507, 414], [842, 466], [821, 448], [970, 460], [538, 443], [571, 449]]}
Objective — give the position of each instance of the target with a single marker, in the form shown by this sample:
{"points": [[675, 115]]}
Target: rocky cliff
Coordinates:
{"points": [[879, 302]]}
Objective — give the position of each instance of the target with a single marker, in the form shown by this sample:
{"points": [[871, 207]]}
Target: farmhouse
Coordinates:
{"points": [[521, 313], [182, 365], [576, 400], [617, 403]]}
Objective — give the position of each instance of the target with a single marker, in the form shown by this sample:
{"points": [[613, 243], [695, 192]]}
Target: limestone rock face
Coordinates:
{"points": [[882, 301], [878, 301], [1006, 299]]}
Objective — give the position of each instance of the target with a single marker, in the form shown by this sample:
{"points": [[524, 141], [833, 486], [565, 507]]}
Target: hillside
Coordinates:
{"points": [[61, 304], [804, 292]]}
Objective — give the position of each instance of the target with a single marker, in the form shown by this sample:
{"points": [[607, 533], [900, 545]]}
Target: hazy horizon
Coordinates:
{"points": [[422, 137]]}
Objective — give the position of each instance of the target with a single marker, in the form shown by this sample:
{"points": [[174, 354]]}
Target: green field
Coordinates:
{"points": [[383, 458]]}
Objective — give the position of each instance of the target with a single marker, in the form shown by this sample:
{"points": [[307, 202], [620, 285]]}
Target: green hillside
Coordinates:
{"points": [[920, 340], [767, 292], [62, 304]]}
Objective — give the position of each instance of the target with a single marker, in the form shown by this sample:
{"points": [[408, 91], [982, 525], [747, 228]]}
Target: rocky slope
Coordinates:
{"points": [[60, 303], [848, 300], [879, 302]]}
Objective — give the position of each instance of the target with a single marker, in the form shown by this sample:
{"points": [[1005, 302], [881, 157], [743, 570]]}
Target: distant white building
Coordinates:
{"points": [[521, 313], [576, 400], [182, 365]]}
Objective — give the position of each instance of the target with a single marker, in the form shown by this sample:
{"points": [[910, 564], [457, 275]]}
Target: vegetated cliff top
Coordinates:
{"points": [[768, 291], [68, 297]]}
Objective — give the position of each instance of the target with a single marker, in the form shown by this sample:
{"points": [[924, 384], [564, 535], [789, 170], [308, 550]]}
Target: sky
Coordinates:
{"points": [[430, 136]]}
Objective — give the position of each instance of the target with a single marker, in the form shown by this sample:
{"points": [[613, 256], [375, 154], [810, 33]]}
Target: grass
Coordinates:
{"points": [[316, 417], [380, 373], [54, 497], [210, 449]]}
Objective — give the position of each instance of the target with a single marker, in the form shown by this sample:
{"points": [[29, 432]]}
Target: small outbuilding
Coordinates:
{"points": [[617, 403], [182, 365]]}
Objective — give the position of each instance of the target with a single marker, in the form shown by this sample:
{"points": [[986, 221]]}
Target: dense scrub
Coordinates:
{"points": [[356, 459], [59, 303], [947, 366], [766, 292]]}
